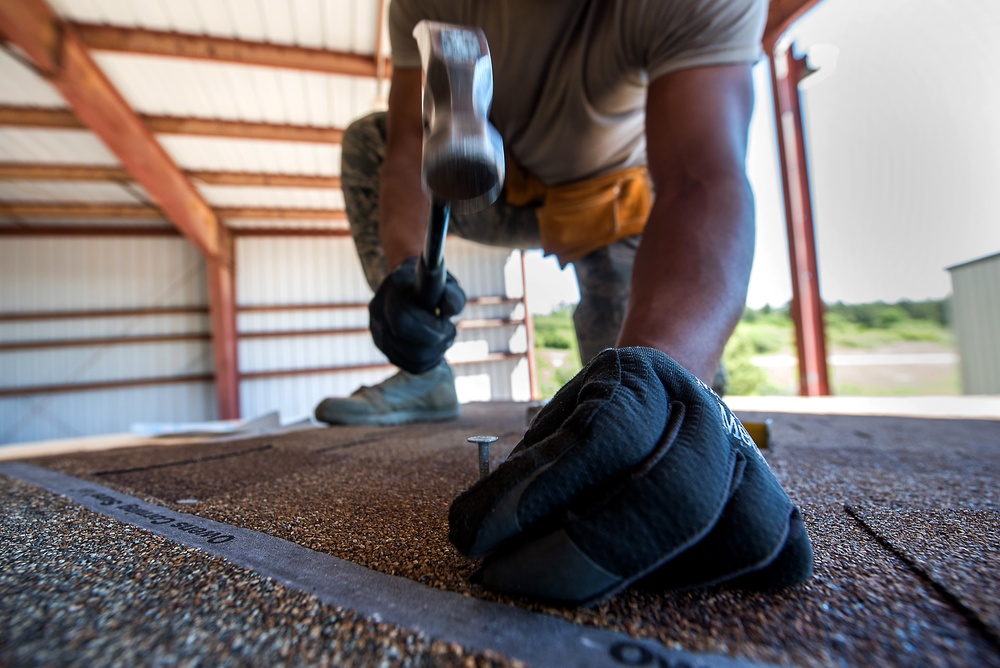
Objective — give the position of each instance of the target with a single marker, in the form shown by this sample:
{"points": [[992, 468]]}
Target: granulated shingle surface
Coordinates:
{"points": [[379, 497], [84, 590]]}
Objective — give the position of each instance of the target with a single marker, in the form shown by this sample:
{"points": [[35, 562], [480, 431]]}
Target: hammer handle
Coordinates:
{"points": [[431, 273]]}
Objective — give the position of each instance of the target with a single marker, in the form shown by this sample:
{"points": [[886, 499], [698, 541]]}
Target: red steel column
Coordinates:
{"points": [[529, 328], [222, 304], [787, 70]]}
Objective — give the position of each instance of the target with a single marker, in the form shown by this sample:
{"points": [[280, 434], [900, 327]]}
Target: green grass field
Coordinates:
{"points": [[854, 329]]}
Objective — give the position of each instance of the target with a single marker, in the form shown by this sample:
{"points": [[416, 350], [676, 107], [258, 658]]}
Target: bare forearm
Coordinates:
{"points": [[403, 209], [691, 273], [402, 205]]}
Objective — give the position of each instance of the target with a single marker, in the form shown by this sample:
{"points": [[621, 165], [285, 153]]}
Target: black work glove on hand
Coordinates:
{"points": [[413, 338], [634, 469]]}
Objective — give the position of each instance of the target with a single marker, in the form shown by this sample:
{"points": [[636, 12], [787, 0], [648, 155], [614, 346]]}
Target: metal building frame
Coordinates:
{"points": [[61, 52]]}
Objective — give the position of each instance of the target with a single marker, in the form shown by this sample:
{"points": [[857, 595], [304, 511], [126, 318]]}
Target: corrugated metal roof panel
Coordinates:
{"points": [[91, 11], [174, 87], [19, 85], [297, 198], [77, 147], [343, 25], [250, 155], [67, 191], [247, 22]]}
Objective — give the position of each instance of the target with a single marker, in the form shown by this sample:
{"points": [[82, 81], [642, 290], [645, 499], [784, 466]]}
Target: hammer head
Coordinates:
{"points": [[463, 161]]}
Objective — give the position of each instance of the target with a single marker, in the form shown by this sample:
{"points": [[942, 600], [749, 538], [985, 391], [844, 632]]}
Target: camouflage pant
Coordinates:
{"points": [[603, 276]]}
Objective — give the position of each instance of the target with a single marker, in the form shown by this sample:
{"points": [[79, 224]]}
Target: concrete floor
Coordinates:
{"points": [[903, 513]]}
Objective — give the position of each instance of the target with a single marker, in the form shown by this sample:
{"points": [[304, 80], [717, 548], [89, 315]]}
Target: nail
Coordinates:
{"points": [[484, 452]]}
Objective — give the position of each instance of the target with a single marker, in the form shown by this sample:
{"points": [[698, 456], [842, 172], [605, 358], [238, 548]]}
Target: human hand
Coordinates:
{"points": [[412, 337], [634, 469]]}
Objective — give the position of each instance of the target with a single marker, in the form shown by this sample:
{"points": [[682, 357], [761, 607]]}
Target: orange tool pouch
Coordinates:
{"points": [[578, 218]]}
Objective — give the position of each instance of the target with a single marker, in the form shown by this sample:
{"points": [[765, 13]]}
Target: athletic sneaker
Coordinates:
{"points": [[400, 399]]}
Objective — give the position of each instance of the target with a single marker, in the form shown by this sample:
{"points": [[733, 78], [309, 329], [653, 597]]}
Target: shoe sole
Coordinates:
{"points": [[397, 417]]}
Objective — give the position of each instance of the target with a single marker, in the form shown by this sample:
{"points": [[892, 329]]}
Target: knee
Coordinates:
{"points": [[363, 143]]}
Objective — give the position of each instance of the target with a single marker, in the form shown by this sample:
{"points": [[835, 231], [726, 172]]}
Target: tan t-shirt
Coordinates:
{"points": [[570, 76]]}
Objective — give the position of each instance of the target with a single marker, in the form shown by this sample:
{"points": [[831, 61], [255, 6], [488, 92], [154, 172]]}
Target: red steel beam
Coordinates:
{"points": [[62, 58], [807, 307], [99, 105], [781, 14], [33, 26]]}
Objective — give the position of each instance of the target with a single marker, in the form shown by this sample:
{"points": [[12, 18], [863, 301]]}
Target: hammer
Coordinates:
{"points": [[462, 167]]}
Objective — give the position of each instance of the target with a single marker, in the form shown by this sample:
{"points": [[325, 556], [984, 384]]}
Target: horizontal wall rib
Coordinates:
{"points": [[11, 316], [488, 300], [103, 342], [286, 373], [103, 385], [479, 323], [297, 333]]}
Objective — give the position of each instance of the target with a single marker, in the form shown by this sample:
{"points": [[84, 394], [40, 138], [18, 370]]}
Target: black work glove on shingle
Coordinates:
{"points": [[634, 469], [412, 337]]}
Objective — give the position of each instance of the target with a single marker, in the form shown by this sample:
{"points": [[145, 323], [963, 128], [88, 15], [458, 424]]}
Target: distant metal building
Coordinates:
{"points": [[976, 316]]}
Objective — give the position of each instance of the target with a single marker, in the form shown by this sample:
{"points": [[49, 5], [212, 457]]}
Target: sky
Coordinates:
{"points": [[902, 129]]}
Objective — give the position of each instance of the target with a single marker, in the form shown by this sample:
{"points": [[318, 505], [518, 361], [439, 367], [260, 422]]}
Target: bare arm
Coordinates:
{"points": [[691, 273], [402, 202]]}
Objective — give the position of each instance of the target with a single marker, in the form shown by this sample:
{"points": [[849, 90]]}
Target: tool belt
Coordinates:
{"points": [[578, 218]]}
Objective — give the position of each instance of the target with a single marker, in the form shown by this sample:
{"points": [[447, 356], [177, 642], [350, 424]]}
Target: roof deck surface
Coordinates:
{"points": [[903, 513]]}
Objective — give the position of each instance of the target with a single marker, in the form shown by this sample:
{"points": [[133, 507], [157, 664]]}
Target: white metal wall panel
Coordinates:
{"points": [[74, 147], [484, 270], [298, 270], [307, 352], [506, 339], [81, 273], [108, 362], [250, 155], [303, 271], [296, 396], [976, 313], [65, 274], [276, 197], [72, 415], [506, 380], [347, 318]]}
